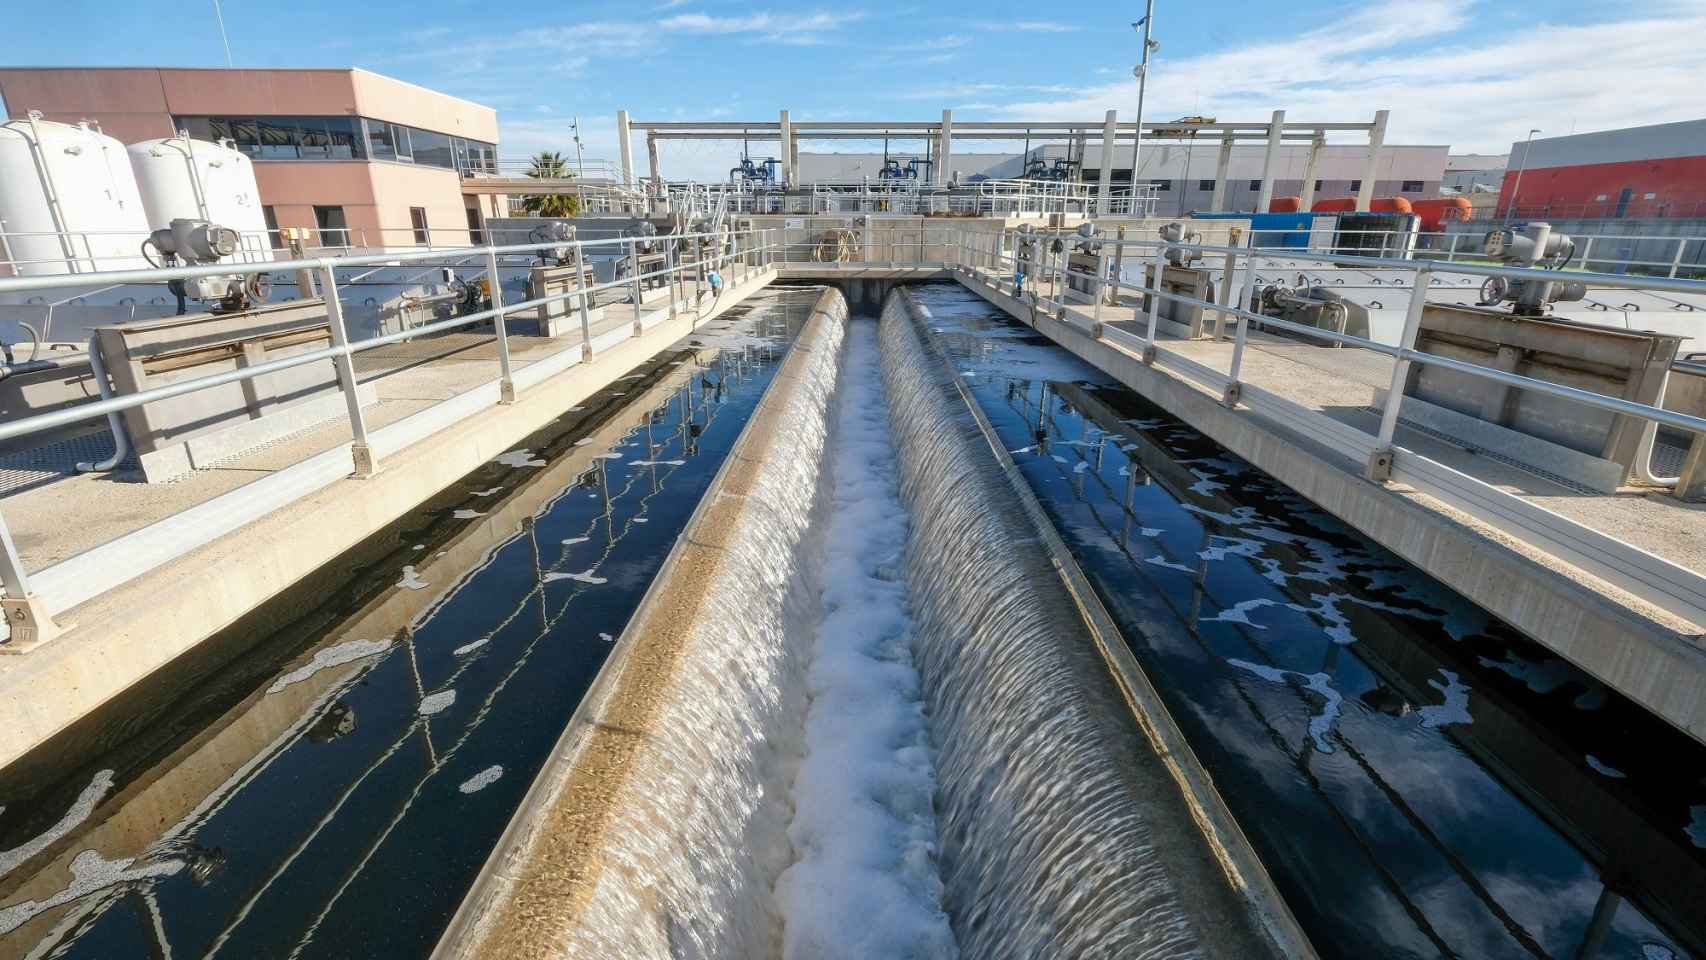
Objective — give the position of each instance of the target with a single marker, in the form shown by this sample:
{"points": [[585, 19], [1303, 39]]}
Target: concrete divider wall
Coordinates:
{"points": [[658, 829]]}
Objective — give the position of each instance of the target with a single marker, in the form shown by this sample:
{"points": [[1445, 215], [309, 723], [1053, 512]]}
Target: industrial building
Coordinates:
{"points": [[1186, 175], [1468, 172], [357, 158], [1657, 171]]}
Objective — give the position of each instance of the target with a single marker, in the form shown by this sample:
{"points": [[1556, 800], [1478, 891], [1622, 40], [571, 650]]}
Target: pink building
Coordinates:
{"points": [[360, 159]]}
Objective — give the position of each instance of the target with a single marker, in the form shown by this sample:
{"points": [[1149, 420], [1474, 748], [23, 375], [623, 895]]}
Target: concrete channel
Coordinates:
{"points": [[661, 825]]}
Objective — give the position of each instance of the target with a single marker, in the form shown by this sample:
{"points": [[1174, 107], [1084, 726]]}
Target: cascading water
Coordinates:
{"points": [[1045, 852], [859, 716], [864, 831]]}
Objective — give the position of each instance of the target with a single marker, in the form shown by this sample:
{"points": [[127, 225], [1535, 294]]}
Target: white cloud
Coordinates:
{"points": [[795, 28], [1034, 26], [1445, 78]]}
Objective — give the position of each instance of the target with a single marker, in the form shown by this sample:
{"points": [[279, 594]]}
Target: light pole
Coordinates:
{"points": [[1142, 72], [1510, 207], [580, 167]]}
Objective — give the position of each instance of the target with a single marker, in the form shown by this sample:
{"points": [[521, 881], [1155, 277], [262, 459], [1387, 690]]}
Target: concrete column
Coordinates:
{"points": [[626, 148], [655, 191], [945, 149], [1217, 202], [1110, 125], [1371, 166], [1307, 194], [1275, 127], [785, 152]]}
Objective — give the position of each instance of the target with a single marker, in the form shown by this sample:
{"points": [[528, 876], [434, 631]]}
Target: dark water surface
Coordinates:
{"points": [[333, 786], [1421, 780]]}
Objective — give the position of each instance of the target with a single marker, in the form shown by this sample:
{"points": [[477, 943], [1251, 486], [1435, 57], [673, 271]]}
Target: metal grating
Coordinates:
{"points": [[50, 461]]}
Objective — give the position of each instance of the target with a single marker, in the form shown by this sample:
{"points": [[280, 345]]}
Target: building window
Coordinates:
{"points": [[338, 138], [1161, 186], [476, 236], [417, 219], [379, 143], [1255, 184], [432, 149], [278, 138], [1411, 186], [334, 229], [1318, 185], [274, 237], [1206, 185], [1356, 185], [344, 138]]}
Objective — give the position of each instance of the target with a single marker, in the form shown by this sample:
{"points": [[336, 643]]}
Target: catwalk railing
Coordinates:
{"points": [[1033, 267], [689, 259]]}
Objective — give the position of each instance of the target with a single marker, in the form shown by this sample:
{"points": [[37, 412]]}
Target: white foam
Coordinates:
{"points": [[584, 576], [658, 463], [466, 514], [89, 873], [607, 638], [1240, 612], [436, 702], [329, 657], [75, 814], [519, 458], [1455, 709], [482, 780], [1320, 724], [864, 881], [412, 580], [574, 540], [470, 647], [487, 493], [1605, 769]]}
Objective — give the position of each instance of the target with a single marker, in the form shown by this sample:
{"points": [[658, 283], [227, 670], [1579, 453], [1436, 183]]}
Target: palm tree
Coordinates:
{"points": [[550, 165]]}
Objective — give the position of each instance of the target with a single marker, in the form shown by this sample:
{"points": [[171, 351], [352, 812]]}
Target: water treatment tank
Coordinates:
{"points": [[68, 200], [198, 180]]}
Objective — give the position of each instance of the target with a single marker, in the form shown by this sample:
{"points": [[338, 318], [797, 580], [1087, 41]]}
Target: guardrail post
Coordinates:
{"points": [[1101, 289], [1676, 261], [506, 383], [634, 276], [669, 274], [1160, 268], [27, 619], [366, 463], [1234, 386], [1379, 469]]}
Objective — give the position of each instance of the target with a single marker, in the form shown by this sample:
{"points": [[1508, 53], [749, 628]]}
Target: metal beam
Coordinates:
{"points": [[1105, 183], [626, 148], [1266, 195], [1371, 167], [1217, 203]]}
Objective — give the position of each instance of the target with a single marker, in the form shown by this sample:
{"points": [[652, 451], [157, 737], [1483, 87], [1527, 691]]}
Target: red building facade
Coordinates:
{"points": [[1656, 171]]}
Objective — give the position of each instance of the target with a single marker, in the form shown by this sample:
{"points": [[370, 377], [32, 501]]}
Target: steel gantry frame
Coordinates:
{"points": [[1109, 131]]}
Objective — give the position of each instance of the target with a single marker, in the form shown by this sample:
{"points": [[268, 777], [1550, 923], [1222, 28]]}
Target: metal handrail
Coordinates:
{"points": [[1405, 352], [750, 246]]}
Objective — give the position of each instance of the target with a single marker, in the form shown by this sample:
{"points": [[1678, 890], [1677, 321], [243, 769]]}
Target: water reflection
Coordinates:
{"points": [[338, 800], [1420, 779]]}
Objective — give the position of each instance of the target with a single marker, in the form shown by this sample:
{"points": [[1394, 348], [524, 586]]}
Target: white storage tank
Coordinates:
{"points": [[198, 180], [68, 200]]}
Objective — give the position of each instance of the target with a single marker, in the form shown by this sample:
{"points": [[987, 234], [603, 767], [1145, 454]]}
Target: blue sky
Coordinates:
{"points": [[1475, 74]]}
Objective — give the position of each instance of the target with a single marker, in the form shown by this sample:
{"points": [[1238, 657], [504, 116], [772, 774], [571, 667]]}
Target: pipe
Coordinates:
{"points": [[121, 439]]}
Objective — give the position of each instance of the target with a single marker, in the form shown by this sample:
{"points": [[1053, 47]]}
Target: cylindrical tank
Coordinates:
{"points": [[198, 180], [68, 200], [1436, 212], [1349, 204]]}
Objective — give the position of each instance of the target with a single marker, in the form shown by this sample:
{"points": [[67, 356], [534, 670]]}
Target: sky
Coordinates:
{"points": [[1473, 74]]}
